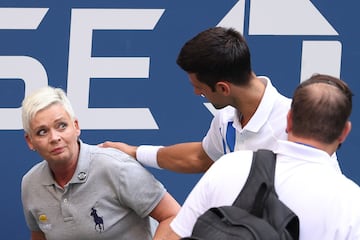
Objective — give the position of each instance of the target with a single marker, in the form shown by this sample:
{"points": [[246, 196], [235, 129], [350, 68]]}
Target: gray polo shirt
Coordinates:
{"points": [[109, 197]]}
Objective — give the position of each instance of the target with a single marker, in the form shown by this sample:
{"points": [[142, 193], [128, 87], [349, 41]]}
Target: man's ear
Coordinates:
{"points": [[289, 122], [223, 87], [345, 132]]}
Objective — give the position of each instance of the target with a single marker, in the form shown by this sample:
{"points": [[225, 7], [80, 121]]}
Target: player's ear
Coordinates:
{"points": [[223, 87]]}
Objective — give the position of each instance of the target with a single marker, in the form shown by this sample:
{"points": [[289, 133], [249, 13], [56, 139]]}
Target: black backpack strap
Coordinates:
{"points": [[259, 190], [259, 182]]}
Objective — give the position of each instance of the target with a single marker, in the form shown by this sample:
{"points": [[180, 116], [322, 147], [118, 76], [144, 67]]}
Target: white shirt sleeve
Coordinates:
{"points": [[219, 186], [213, 141]]}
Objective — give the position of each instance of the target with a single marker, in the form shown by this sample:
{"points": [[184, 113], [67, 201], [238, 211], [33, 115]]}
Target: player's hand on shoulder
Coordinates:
{"points": [[129, 149]]}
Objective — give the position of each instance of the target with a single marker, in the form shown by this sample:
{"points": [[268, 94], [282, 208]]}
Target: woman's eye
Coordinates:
{"points": [[41, 132]]}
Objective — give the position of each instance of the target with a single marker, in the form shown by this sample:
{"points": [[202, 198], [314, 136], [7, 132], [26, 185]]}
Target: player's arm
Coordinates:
{"points": [[182, 157]]}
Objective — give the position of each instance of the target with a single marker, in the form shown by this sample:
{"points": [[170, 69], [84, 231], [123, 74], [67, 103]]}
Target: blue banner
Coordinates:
{"points": [[116, 61]]}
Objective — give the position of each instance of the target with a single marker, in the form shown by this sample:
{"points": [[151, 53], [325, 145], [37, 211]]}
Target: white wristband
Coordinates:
{"points": [[147, 155]]}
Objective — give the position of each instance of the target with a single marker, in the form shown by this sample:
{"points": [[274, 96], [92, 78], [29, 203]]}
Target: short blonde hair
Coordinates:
{"points": [[41, 99]]}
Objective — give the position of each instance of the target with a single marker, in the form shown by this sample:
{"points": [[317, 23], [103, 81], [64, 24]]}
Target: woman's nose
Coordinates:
{"points": [[54, 136]]}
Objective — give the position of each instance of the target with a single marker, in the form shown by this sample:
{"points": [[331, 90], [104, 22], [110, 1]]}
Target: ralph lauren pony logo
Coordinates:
{"points": [[99, 222]]}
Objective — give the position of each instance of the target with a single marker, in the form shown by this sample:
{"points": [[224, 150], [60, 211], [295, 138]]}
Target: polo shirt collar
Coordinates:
{"points": [[82, 170], [47, 179], [306, 153], [263, 111]]}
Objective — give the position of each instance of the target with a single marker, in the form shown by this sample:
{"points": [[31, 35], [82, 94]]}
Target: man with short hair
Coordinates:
{"points": [[251, 112]]}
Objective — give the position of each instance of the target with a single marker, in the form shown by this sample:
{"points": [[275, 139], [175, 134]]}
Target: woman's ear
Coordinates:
{"points": [[77, 127], [28, 141]]}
